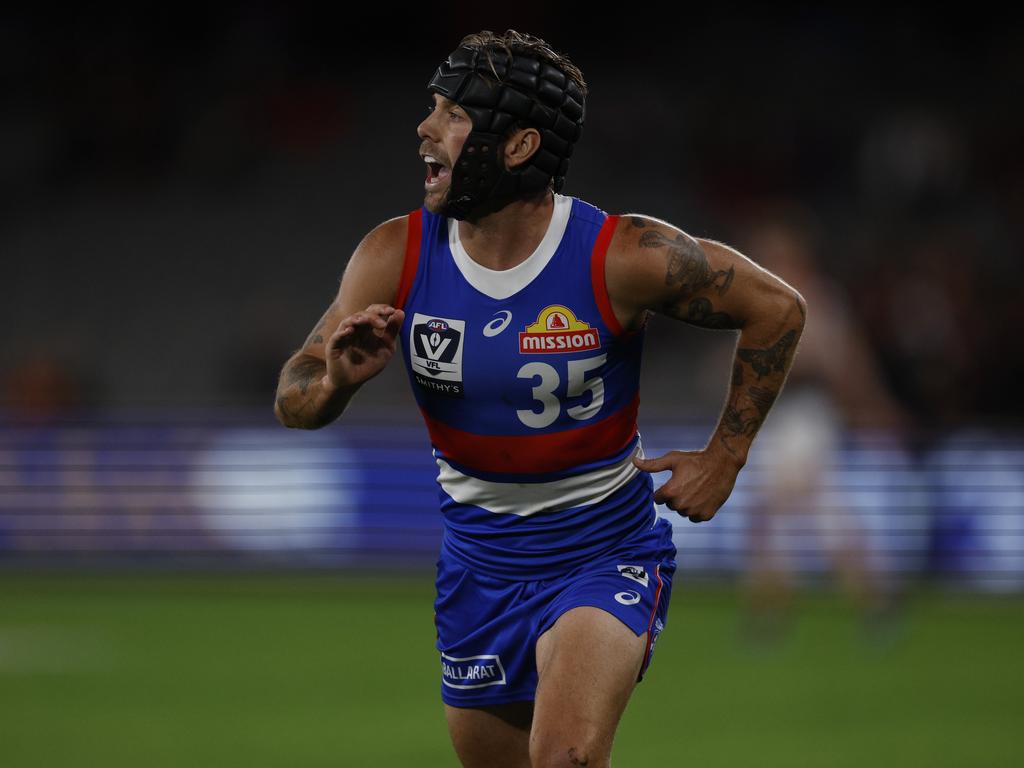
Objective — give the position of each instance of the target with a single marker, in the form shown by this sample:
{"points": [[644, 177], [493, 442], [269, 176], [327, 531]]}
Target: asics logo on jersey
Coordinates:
{"points": [[498, 324]]}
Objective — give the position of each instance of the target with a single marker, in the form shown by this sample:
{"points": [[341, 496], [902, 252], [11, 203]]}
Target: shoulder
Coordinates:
{"points": [[637, 232], [642, 252], [382, 249], [582, 210], [386, 241], [374, 270]]}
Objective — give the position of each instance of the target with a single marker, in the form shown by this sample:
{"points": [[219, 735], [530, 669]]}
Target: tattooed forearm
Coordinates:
{"points": [[740, 422], [315, 336], [737, 422], [774, 359], [751, 398], [762, 399], [743, 416], [300, 401]]}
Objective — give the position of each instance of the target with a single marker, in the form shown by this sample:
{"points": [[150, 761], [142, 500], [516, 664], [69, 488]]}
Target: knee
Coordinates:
{"points": [[571, 749]]}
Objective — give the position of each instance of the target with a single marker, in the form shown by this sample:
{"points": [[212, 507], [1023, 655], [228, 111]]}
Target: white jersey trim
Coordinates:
{"points": [[525, 499], [502, 283]]}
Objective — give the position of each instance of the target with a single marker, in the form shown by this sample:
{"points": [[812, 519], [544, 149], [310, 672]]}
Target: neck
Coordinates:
{"points": [[506, 238]]}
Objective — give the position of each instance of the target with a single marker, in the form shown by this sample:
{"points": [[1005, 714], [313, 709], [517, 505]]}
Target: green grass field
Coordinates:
{"points": [[314, 670]]}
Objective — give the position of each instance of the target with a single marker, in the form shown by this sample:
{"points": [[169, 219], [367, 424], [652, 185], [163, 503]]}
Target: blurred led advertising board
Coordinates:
{"points": [[173, 490]]}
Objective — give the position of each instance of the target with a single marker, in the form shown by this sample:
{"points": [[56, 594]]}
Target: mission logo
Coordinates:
{"points": [[435, 350], [557, 330]]}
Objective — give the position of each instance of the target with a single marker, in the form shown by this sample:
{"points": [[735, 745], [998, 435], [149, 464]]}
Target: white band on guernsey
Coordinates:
{"points": [[500, 284], [526, 499]]}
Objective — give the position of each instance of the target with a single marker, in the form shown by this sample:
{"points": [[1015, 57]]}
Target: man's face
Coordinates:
{"points": [[442, 134]]}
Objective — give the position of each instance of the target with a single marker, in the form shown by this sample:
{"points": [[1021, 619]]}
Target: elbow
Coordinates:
{"points": [[285, 415], [782, 310], [281, 413], [797, 309], [298, 417]]}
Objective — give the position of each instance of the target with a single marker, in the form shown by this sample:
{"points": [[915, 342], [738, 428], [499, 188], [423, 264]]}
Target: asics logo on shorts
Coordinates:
{"points": [[627, 598]]}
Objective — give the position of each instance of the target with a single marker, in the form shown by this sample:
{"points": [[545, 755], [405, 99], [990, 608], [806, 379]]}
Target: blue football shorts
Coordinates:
{"points": [[487, 628]]}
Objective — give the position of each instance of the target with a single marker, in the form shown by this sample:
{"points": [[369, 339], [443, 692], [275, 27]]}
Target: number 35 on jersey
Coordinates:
{"points": [[558, 330]]}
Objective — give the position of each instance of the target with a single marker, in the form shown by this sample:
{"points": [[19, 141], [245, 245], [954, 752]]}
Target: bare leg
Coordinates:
{"points": [[491, 737], [587, 665]]}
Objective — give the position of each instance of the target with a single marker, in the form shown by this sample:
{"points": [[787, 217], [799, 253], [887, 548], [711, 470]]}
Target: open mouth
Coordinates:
{"points": [[436, 172]]}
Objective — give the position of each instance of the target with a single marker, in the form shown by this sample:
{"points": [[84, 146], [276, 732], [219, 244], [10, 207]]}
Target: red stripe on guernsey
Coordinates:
{"points": [[529, 454], [597, 261], [412, 257], [650, 622]]}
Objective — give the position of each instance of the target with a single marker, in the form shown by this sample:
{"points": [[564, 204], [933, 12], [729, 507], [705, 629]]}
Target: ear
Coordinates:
{"points": [[521, 146]]}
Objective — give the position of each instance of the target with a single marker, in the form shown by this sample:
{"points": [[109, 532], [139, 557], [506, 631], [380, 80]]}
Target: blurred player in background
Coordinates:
{"points": [[835, 388], [522, 316]]}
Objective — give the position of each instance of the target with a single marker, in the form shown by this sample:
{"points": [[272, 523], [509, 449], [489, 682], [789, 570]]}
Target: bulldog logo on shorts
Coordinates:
{"points": [[635, 572]]}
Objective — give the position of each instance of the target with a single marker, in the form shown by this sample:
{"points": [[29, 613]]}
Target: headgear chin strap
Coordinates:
{"points": [[497, 93]]}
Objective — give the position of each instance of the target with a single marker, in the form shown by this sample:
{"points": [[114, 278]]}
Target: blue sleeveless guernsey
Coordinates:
{"points": [[529, 390]]}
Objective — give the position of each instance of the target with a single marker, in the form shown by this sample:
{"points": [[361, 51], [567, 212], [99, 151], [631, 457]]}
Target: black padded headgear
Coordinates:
{"points": [[497, 92]]}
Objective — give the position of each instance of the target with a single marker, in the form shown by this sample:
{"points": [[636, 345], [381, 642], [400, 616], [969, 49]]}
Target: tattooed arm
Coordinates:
{"points": [[652, 266], [354, 339]]}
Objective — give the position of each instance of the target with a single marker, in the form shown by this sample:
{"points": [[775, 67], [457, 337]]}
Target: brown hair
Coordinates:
{"points": [[513, 42]]}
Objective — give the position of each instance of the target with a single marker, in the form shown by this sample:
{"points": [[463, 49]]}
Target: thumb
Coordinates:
{"points": [[653, 465], [394, 323]]}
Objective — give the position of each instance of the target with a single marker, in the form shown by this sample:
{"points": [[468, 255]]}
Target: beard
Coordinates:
{"points": [[436, 203]]}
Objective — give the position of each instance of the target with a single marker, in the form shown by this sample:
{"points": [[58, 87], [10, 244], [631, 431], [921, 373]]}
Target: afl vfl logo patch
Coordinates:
{"points": [[435, 351], [557, 330]]}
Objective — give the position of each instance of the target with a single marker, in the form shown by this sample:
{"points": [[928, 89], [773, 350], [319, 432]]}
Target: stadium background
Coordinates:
{"points": [[182, 581]]}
